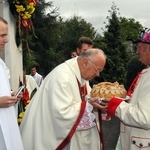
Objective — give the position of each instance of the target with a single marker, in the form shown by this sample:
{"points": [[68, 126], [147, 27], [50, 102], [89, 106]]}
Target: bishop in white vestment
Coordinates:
{"points": [[57, 106]]}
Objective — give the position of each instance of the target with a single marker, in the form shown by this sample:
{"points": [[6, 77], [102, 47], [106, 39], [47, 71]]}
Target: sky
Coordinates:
{"points": [[96, 11]]}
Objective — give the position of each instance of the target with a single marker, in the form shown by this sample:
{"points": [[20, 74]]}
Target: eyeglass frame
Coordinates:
{"points": [[97, 70]]}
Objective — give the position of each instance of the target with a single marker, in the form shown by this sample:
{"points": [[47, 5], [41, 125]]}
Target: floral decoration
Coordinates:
{"points": [[24, 102], [23, 11]]}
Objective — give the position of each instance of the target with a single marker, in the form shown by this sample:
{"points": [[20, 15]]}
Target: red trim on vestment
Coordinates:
{"points": [[113, 104], [72, 131], [83, 92]]}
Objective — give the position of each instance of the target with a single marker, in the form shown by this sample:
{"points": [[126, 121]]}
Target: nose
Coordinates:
{"points": [[5, 40]]}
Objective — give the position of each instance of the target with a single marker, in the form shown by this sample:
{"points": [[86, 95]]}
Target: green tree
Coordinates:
{"points": [[119, 48], [134, 66], [72, 30], [43, 43], [129, 28], [117, 56], [55, 38]]}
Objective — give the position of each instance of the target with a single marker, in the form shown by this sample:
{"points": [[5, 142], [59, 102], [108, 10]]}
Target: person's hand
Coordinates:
{"points": [[94, 103], [7, 101], [19, 96], [107, 100]]}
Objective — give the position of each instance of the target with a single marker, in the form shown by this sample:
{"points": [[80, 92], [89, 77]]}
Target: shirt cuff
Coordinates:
{"points": [[88, 119], [113, 104]]}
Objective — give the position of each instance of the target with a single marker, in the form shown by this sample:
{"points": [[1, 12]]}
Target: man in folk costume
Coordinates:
{"points": [[59, 117], [135, 115], [10, 138]]}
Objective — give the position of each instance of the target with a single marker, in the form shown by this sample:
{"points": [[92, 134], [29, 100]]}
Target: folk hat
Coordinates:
{"points": [[144, 37]]}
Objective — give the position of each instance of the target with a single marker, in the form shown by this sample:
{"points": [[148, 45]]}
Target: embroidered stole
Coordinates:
{"points": [[83, 93]]}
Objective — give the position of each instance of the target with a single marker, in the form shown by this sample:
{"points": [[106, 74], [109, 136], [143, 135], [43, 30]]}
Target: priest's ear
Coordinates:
{"points": [[85, 61]]}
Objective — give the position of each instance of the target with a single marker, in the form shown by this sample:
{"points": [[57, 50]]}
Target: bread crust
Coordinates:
{"points": [[108, 90]]}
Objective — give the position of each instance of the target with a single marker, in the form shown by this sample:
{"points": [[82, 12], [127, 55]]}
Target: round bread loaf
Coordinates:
{"points": [[108, 90]]}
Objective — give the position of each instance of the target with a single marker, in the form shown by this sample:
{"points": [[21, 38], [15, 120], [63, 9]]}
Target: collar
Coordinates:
{"points": [[73, 64]]}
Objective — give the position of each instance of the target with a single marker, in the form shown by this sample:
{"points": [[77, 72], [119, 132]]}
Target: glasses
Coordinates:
{"points": [[97, 70]]}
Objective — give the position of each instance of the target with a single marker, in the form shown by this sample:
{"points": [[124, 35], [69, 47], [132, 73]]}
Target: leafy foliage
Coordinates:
{"points": [[72, 30], [118, 37], [44, 55], [23, 11], [134, 66], [115, 50], [129, 28], [57, 38]]}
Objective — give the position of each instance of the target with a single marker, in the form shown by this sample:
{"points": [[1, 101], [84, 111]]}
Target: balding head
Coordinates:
{"points": [[91, 62], [92, 53]]}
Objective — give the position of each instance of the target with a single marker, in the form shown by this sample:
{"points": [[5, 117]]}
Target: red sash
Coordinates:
{"points": [[133, 85], [83, 92]]}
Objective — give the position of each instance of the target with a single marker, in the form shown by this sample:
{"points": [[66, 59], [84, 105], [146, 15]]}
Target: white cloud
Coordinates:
{"points": [[96, 11]]}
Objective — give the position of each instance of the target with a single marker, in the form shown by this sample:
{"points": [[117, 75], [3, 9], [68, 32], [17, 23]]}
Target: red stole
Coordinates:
{"points": [[83, 92]]}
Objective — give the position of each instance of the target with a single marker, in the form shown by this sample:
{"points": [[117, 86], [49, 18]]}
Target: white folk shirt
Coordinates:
{"points": [[10, 138], [135, 116], [54, 110]]}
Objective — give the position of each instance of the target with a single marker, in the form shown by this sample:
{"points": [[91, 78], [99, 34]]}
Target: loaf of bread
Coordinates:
{"points": [[108, 90]]}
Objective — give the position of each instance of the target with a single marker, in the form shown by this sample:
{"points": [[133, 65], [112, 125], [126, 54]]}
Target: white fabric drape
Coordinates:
{"points": [[9, 131]]}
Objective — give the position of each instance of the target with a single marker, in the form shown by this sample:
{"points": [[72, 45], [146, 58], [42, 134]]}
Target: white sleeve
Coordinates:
{"points": [[88, 118]]}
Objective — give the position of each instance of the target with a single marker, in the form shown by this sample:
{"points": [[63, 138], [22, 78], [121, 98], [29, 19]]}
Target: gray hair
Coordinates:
{"points": [[91, 53]]}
